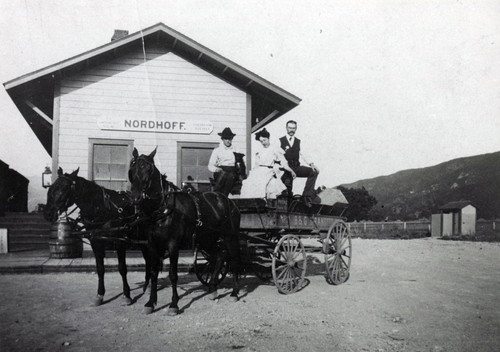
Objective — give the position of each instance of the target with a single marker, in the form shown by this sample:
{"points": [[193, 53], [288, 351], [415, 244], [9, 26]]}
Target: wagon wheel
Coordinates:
{"points": [[289, 264], [204, 266], [337, 248]]}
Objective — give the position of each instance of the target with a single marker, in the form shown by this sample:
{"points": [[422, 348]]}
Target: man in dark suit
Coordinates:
{"points": [[291, 145]]}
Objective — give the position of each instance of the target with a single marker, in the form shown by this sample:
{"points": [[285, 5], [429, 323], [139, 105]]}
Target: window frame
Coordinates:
{"points": [[198, 145], [129, 143]]}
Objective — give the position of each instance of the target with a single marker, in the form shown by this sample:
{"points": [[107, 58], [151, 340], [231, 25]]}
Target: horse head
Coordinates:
{"points": [[60, 195], [140, 174]]}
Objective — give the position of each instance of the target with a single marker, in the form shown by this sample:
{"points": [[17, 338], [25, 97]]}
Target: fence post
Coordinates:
{"points": [[404, 225], [364, 227]]}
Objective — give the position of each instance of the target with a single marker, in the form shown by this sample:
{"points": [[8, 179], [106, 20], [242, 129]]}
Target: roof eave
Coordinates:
{"points": [[49, 70]]}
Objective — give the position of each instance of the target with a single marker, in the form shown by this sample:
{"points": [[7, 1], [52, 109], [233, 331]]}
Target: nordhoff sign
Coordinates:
{"points": [[155, 125]]}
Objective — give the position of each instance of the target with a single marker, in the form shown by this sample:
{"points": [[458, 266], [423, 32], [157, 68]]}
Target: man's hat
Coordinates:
{"points": [[227, 133]]}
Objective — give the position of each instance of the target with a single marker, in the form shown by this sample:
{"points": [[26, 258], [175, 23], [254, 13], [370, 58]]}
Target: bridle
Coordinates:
{"points": [[147, 185], [69, 194]]}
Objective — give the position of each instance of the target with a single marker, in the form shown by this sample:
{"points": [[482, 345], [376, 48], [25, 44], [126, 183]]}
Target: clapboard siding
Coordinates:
{"points": [[169, 87], [169, 101], [163, 86], [152, 106], [172, 97]]}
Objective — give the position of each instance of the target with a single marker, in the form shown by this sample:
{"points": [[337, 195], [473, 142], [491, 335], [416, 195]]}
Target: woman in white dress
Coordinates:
{"points": [[264, 180]]}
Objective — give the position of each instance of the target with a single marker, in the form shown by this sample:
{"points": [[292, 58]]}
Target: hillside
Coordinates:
{"points": [[416, 193]]}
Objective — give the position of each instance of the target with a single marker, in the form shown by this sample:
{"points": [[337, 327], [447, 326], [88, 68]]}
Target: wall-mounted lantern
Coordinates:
{"points": [[46, 177]]}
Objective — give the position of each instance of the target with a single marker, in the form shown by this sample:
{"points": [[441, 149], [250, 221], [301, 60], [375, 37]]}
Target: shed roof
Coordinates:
{"points": [[458, 205], [33, 93]]}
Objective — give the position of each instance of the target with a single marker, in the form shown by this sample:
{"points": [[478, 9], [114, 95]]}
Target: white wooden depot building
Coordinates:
{"points": [[152, 88]]}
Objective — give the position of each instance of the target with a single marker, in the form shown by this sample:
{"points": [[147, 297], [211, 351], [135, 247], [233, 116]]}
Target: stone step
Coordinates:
{"points": [[27, 231], [24, 221], [26, 236], [22, 215], [18, 247]]}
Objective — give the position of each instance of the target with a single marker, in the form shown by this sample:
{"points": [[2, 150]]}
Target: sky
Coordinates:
{"points": [[385, 85]]}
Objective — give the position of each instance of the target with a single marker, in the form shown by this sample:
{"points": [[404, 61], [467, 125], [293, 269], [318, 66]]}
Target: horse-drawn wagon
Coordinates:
{"points": [[275, 234], [276, 239]]}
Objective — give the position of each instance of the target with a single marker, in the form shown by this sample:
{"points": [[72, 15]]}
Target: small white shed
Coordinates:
{"points": [[454, 218]]}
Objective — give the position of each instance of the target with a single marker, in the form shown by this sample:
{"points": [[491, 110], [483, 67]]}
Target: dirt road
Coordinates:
{"points": [[418, 295]]}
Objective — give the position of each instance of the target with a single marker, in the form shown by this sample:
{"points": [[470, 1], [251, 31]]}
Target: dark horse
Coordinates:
{"points": [[176, 216], [99, 208]]}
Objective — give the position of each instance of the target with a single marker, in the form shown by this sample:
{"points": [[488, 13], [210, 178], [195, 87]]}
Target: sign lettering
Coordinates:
{"points": [[155, 125]]}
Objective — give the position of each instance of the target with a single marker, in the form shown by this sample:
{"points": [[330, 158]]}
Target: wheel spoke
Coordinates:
{"points": [[338, 253], [296, 255], [288, 264], [340, 243], [343, 262], [283, 272], [281, 261], [285, 253], [297, 271]]}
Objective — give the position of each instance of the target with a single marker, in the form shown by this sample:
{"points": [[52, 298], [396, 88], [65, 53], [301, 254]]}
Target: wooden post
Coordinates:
{"points": [[4, 242]]}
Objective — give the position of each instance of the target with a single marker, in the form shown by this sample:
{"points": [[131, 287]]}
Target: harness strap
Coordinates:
{"points": [[196, 201], [108, 202]]}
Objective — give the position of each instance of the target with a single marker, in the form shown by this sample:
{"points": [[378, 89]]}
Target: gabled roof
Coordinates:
{"points": [[268, 100], [458, 205]]}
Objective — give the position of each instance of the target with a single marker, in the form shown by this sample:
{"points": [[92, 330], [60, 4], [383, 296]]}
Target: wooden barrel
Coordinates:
{"points": [[62, 243]]}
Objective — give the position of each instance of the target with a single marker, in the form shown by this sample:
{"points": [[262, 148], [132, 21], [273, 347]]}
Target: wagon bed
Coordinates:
{"points": [[273, 238]]}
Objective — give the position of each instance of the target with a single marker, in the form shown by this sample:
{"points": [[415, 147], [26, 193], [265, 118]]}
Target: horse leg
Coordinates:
{"points": [[173, 249], [99, 253], [212, 285], [155, 269], [122, 268], [145, 254], [235, 260]]}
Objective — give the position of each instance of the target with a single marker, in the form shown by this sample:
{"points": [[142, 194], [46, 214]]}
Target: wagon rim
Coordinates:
{"points": [[289, 264], [337, 248]]}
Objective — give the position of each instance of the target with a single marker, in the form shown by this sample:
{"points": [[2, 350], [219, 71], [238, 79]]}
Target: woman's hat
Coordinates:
{"points": [[262, 133], [227, 133]]}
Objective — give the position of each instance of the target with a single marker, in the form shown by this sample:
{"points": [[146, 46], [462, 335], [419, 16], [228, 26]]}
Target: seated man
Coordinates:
{"points": [[291, 145], [222, 163]]}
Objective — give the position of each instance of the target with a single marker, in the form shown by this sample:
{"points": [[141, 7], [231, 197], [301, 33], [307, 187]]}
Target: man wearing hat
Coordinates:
{"points": [[291, 146], [222, 163]]}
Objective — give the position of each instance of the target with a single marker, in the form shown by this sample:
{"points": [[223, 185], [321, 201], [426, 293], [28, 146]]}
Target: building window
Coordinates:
{"points": [[193, 164], [109, 162]]}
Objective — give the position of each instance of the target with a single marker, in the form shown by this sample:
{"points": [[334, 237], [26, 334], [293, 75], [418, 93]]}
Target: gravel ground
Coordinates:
{"points": [[417, 295]]}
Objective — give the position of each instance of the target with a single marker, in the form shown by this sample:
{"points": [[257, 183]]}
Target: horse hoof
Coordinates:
{"points": [[127, 300], [233, 298], [98, 300], [148, 310], [213, 296], [172, 312]]}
